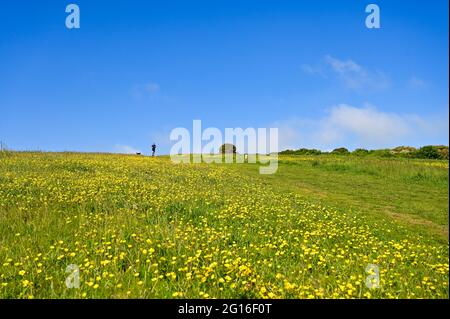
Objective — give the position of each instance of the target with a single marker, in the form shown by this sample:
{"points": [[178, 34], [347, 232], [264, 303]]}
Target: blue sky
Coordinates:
{"points": [[137, 69]]}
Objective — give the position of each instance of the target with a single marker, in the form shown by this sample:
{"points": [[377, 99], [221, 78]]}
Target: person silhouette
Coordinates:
{"points": [[153, 149]]}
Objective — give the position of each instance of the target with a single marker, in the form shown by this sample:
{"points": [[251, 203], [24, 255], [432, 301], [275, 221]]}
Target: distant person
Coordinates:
{"points": [[153, 149]]}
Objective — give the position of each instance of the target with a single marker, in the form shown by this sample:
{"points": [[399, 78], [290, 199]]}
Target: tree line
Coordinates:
{"points": [[425, 152]]}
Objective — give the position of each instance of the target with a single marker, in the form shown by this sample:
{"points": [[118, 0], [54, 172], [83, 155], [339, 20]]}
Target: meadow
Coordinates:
{"points": [[143, 227]]}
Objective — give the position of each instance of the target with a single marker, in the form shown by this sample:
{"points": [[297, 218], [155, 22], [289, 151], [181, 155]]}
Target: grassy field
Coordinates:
{"points": [[413, 192], [142, 227]]}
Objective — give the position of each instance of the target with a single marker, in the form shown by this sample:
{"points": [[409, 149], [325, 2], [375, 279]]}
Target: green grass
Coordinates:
{"points": [[142, 227], [410, 191]]}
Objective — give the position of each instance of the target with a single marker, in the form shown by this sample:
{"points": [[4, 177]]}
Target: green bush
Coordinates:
{"points": [[305, 151], [360, 152], [443, 151], [302, 151], [403, 150], [340, 151], [427, 152]]}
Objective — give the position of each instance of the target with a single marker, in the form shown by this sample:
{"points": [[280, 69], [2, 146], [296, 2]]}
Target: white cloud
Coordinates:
{"points": [[125, 149], [352, 75], [146, 90], [314, 70], [342, 67], [366, 126], [151, 87], [416, 83]]}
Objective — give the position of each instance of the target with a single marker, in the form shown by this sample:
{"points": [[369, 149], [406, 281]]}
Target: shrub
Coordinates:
{"points": [[302, 151], [428, 152], [443, 151], [360, 152], [425, 152], [305, 151], [340, 151], [315, 152], [403, 150], [287, 152]]}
